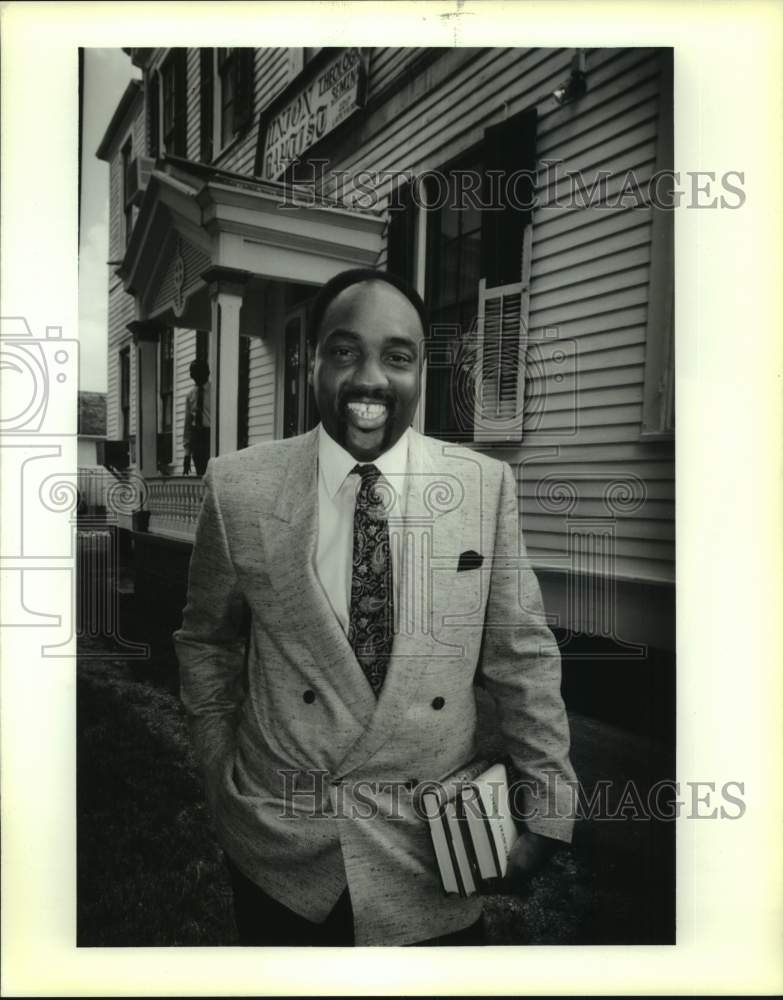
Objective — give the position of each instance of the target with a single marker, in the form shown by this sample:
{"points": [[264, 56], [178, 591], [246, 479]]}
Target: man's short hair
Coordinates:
{"points": [[199, 367], [329, 292]]}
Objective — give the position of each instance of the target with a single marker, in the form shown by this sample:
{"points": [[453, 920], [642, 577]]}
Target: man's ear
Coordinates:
{"points": [[423, 352]]}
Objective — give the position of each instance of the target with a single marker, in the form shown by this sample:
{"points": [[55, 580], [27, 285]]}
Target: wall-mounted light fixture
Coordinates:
{"points": [[576, 85]]}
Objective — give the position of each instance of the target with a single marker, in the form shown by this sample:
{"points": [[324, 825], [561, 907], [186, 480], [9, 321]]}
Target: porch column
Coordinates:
{"points": [[226, 290], [145, 337]]}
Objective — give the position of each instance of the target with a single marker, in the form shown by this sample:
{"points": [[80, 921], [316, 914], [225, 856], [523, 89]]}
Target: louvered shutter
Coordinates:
{"points": [[207, 102], [500, 363], [244, 88]]}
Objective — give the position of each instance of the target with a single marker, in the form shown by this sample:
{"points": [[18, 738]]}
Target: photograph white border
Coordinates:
{"points": [[728, 116]]}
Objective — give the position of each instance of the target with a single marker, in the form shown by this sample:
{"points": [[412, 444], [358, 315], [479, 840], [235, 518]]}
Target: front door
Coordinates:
{"points": [[299, 410]]}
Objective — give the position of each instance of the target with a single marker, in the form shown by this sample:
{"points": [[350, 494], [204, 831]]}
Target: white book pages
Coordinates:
{"points": [[492, 788], [431, 806]]}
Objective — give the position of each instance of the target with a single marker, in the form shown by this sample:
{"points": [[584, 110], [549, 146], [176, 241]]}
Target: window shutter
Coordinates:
{"points": [[500, 363], [244, 66], [153, 116], [510, 153], [400, 242], [180, 101], [207, 94]]}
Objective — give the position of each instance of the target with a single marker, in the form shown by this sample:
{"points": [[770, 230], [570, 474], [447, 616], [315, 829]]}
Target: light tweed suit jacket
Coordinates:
{"points": [[278, 702]]}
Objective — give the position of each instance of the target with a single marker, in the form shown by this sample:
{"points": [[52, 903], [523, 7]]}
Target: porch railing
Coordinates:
{"points": [[92, 482], [174, 503]]}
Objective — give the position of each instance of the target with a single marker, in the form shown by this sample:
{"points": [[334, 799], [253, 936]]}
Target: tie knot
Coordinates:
{"points": [[374, 493], [367, 471]]}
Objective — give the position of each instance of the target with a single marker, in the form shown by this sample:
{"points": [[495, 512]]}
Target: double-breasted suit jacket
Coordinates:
{"points": [[308, 775]]}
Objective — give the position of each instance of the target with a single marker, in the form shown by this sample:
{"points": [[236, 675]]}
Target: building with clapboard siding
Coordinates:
{"points": [[516, 188]]}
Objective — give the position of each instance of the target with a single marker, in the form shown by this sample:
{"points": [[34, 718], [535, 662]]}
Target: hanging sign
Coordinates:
{"points": [[311, 112]]}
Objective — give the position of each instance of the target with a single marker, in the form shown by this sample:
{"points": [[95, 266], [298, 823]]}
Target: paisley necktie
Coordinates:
{"points": [[371, 622]]}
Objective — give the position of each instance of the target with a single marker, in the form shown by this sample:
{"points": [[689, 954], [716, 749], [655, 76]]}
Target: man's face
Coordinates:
{"points": [[367, 368]]}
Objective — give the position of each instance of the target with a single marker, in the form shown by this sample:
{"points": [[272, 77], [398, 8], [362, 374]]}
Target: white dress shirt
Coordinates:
{"points": [[191, 402], [337, 490]]}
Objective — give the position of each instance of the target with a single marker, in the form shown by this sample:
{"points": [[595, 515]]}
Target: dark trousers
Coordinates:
{"points": [[199, 448], [261, 920]]}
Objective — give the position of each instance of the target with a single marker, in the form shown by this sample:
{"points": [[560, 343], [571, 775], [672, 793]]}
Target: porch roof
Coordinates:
{"points": [[270, 229]]}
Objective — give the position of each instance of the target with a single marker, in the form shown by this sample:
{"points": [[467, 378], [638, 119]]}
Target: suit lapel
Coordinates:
{"points": [[431, 542], [289, 544]]}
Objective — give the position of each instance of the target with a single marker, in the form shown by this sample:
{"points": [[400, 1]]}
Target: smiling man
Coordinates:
{"points": [[347, 589]]}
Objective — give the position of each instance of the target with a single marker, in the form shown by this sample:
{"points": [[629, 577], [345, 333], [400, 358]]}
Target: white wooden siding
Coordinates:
{"points": [[193, 128], [261, 402], [386, 64], [121, 312]]}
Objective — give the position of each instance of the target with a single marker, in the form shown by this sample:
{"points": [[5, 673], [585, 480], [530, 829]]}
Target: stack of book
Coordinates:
{"points": [[470, 825]]}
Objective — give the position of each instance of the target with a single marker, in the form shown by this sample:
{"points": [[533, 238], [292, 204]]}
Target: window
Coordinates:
{"points": [[125, 378], [166, 382], [227, 69], [453, 248], [235, 73], [463, 236], [174, 85], [299, 58], [153, 116], [225, 97], [127, 187]]}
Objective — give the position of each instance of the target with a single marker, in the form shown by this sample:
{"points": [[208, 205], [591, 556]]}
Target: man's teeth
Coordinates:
{"points": [[368, 411]]}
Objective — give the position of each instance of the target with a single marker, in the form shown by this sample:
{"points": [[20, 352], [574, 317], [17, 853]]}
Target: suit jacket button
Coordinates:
{"points": [[438, 703], [309, 696]]}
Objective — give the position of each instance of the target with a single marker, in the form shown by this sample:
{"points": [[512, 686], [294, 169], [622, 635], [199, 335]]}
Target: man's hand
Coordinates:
{"points": [[529, 853], [186, 465]]}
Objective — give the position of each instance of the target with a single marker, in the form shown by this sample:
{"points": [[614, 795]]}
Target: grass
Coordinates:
{"points": [[149, 870]]}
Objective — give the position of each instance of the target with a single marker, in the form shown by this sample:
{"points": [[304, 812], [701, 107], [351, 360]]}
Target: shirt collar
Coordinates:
{"points": [[335, 463]]}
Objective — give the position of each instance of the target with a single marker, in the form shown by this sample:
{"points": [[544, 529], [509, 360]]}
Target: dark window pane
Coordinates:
{"points": [[243, 397], [448, 276], [202, 345], [206, 70], [227, 93], [449, 216], [470, 267]]}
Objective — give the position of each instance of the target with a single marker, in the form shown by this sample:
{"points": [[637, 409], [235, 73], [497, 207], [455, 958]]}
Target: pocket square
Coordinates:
{"points": [[469, 560]]}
